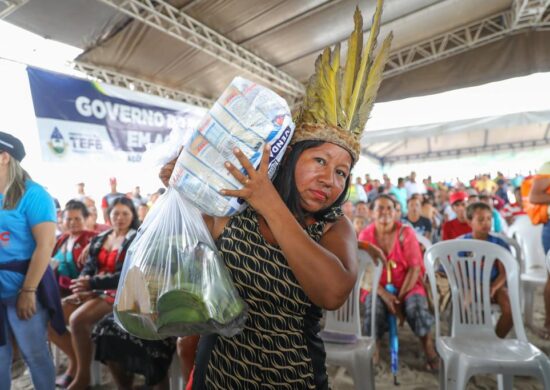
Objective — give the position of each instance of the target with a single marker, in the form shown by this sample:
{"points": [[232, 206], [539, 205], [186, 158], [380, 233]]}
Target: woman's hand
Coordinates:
{"points": [[82, 284], [26, 304], [258, 190], [167, 169], [393, 304]]}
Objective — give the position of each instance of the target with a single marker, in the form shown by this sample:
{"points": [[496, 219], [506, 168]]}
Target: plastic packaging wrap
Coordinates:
{"points": [[246, 116], [173, 282]]}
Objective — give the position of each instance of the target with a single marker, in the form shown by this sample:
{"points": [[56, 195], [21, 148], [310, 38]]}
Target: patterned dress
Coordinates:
{"points": [[279, 347]]}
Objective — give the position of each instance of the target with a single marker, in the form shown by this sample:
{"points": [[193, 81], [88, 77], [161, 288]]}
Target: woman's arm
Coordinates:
{"points": [[44, 236], [327, 270], [413, 254], [538, 193], [411, 277]]}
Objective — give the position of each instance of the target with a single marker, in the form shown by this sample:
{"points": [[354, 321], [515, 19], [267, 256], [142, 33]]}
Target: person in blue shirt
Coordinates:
{"points": [[29, 297], [480, 216]]}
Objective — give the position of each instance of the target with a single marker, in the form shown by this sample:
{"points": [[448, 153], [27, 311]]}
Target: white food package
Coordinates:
{"points": [[247, 116]]}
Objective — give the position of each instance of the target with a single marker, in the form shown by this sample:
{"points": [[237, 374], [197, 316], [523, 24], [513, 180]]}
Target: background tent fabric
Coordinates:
{"points": [[197, 46], [458, 138]]}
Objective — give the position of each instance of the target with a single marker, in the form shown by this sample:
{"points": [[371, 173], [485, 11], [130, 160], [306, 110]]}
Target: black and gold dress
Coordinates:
{"points": [[279, 347]]}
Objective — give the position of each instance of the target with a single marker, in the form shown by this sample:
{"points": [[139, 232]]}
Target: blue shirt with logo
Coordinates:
{"points": [[16, 239]]}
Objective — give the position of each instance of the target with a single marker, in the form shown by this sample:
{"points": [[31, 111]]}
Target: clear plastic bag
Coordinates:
{"points": [[173, 282], [246, 116]]}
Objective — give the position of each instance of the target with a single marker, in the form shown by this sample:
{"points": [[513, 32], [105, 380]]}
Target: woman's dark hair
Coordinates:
{"points": [[384, 196], [285, 184], [77, 205], [128, 203]]}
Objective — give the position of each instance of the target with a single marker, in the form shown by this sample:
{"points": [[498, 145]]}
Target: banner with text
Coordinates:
{"points": [[82, 120]]}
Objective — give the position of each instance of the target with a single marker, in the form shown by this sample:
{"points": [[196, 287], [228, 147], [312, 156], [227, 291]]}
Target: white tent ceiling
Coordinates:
{"points": [[458, 138], [195, 47]]}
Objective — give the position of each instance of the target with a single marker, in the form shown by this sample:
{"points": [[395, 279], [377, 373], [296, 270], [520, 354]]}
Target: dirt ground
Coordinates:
{"points": [[412, 374]]}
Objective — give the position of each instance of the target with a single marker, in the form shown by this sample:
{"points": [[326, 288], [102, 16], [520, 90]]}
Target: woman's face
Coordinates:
{"points": [[121, 217], [384, 212], [73, 220], [320, 176]]}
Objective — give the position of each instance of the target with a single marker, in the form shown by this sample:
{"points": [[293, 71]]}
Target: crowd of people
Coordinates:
{"points": [[63, 290]]}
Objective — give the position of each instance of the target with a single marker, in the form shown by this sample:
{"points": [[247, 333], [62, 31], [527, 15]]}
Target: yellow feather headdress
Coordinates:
{"points": [[338, 101]]}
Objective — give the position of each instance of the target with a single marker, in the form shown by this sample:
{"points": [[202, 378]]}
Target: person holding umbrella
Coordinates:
{"points": [[399, 244]]}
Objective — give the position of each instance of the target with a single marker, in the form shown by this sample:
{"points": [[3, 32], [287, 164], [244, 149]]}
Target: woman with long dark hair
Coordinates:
{"points": [[93, 292], [292, 252]]}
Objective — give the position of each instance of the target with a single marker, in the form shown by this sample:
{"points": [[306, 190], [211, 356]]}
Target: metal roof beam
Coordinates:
{"points": [[450, 43], [170, 20], [528, 13], [522, 14], [135, 84], [10, 6]]}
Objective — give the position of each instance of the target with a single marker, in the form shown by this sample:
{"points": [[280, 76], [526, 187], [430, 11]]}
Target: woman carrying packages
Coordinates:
{"points": [[292, 253], [29, 296]]}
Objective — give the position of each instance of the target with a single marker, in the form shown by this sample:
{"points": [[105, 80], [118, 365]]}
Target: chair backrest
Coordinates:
{"points": [[426, 243], [468, 265], [347, 318], [529, 239], [514, 247]]}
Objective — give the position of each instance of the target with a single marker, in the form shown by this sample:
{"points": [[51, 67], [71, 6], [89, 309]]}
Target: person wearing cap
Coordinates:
{"points": [[29, 297], [458, 226]]}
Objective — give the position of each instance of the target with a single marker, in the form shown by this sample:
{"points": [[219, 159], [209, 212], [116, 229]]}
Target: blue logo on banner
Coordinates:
{"points": [[57, 143]]}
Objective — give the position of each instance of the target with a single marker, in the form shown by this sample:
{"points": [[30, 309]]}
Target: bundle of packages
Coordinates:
{"points": [[173, 282], [246, 116]]}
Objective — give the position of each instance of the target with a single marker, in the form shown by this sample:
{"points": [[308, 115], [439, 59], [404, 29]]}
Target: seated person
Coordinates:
{"points": [[458, 226], [126, 355], [497, 222], [480, 218], [93, 292], [70, 244], [359, 224], [399, 243], [421, 225]]}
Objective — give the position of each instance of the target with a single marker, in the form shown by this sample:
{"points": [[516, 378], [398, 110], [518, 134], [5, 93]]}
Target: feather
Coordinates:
{"points": [[366, 60], [373, 83], [353, 60], [326, 92]]}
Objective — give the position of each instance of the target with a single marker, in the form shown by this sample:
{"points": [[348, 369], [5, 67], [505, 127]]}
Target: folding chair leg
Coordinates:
{"points": [[505, 382], [362, 378], [528, 297]]}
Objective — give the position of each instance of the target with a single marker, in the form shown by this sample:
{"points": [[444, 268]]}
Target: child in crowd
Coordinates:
{"points": [[359, 223], [458, 226], [480, 218]]}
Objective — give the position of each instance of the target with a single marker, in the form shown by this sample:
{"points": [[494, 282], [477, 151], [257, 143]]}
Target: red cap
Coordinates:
{"points": [[458, 196]]}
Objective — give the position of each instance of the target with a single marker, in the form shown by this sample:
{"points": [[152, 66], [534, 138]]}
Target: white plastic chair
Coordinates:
{"points": [[532, 271], [175, 376], [344, 325], [473, 346], [426, 243]]}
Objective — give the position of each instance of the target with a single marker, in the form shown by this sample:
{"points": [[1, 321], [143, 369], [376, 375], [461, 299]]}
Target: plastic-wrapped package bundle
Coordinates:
{"points": [[173, 282], [246, 116]]}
